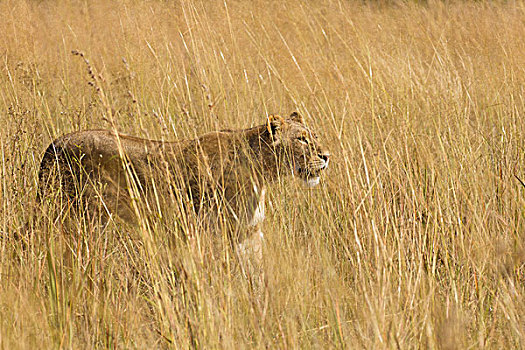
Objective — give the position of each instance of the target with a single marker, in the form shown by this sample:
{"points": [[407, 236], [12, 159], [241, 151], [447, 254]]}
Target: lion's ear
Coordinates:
{"points": [[296, 117], [274, 124]]}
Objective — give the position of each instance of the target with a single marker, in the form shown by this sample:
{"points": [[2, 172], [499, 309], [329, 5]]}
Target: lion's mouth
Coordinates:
{"points": [[311, 177]]}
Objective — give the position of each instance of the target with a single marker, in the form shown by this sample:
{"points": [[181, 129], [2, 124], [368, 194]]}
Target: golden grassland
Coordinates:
{"points": [[414, 239]]}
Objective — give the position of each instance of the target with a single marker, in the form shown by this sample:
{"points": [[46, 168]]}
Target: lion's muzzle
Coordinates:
{"points": [[311, 172]]}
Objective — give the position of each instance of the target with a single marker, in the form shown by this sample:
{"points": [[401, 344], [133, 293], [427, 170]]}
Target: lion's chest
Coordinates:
{"points": [[259, 211]]}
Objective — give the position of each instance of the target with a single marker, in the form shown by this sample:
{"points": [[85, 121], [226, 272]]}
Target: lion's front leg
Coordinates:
{"points": [[251, 249], [250, 253], [252, 245]]}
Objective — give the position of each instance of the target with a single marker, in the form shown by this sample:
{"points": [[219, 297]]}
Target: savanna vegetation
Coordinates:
{"points": [[413, 239]]}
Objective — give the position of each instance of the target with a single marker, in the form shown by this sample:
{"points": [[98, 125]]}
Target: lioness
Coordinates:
{"points": [[220, 172]]}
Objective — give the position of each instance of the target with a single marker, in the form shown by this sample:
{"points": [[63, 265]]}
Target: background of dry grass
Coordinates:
{"points": [[413, 239]]}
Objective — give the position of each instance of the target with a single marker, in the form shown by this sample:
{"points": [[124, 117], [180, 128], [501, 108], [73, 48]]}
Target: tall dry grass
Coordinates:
{"points": [[414, 239]]}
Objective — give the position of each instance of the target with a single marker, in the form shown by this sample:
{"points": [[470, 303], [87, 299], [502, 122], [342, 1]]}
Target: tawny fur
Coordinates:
{"points": [[223, 171]]}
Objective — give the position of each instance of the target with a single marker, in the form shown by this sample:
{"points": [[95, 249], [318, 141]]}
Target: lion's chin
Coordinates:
{"points": [[312, 181]]}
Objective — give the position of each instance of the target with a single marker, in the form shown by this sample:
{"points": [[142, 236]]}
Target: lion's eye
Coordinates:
{"points": [[302, 139]]}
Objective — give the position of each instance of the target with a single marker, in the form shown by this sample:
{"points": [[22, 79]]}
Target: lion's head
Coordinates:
{"points": [[298, 148]]}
